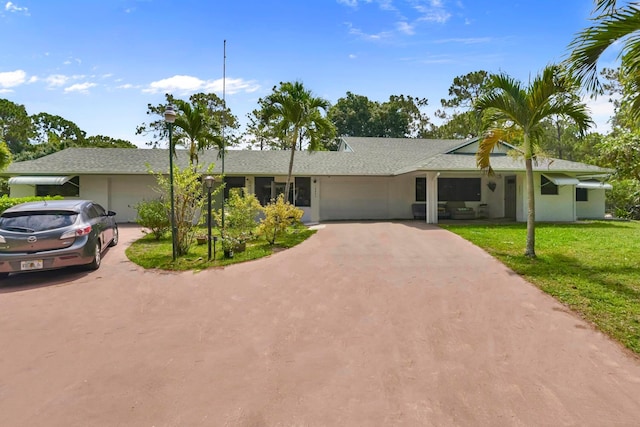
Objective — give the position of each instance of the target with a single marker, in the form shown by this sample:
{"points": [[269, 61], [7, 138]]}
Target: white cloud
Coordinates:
{"points": [[14, 8], [188, 84], [79, 87], [352, 56], [12, 78], [406, 28], [371, 37], [233, 86], [56, 80], [351, 3]]}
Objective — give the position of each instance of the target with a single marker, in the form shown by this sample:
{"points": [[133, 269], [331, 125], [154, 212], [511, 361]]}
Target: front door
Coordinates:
{"points": [[510, 197]]}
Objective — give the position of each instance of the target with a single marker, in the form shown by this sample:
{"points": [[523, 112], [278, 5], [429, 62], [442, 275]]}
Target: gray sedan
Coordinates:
{"points": [[52, 234]]}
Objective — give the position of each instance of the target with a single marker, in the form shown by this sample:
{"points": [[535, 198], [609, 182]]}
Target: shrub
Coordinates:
{"points": [[241, 212], [154, 215], [278, 216], [624, 198]]}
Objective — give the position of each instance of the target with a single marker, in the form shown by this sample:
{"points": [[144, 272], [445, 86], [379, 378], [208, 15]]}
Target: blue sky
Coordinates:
{"points": [[99, 63]]}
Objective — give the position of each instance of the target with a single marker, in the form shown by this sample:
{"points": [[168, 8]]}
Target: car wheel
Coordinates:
{"points": [[95, 264], [115, 237]]}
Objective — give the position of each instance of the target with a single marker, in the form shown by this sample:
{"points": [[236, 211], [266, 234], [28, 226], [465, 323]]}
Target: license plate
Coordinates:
{"points": [[31, 265]]}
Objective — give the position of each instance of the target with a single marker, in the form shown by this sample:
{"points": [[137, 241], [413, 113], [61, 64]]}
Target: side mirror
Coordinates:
{"points": [[111, 213]]}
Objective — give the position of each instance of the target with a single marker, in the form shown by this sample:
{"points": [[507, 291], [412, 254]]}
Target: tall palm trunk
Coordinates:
{"points": [[293, 152], [531, 200]]}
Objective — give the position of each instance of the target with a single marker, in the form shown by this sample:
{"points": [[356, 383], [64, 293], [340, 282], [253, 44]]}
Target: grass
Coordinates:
{"points": [[592, 267], [150, 253]]}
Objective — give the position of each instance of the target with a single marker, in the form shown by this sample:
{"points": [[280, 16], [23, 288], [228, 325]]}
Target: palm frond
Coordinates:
{"points": [[590, 43]]}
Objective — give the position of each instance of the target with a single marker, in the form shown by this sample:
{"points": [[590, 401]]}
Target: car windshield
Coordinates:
{"points": [[29, 222]]}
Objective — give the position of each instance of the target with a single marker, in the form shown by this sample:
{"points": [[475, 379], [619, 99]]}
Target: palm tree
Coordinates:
{"points": [[295, 115], [612, 25], [511, 110], [195, 129]]}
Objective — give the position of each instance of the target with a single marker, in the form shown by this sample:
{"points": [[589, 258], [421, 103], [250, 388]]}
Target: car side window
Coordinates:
{"points": [[92, 212], [99, 209]]}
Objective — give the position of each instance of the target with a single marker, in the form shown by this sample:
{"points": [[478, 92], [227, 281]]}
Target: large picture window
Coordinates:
{"points": [[232, 182], [459, 189], [266, 189], [421, 189], [547, 187], [263, 189]]}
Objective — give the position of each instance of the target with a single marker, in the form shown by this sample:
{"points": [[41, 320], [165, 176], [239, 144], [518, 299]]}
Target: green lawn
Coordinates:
{"points": [[150, 253], [592, 267]]}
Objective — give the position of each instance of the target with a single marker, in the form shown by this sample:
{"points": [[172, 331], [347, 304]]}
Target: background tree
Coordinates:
{"points": [[15, 126], [195, 129], [296, 117], [102, 141], [353, 115], [258, 132], [211, 110], [510, 110], [399, 117], [53, 129], [463, 121]]}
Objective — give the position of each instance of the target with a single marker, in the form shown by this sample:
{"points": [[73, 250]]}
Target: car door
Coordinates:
{"points": [[100, 221]]}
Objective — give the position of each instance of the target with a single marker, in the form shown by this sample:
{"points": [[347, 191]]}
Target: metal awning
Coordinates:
{"points": [[39, 180], [561, 179], [593, 185]]}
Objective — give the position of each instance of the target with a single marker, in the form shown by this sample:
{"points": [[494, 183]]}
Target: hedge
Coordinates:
{"points": [[6, 202]]}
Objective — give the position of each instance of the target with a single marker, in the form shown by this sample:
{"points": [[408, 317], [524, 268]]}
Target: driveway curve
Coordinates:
{"points": [[364, 324]]}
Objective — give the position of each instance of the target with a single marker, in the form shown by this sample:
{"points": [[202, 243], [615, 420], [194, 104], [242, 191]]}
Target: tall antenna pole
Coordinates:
{"points": [[224, 117]]}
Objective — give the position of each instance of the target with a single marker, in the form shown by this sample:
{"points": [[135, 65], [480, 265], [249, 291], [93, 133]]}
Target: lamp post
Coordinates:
{"points": [[208, 181], [170, 117]]}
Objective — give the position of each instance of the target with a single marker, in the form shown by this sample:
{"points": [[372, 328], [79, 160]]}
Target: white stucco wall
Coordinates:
{"points": [[594, 207], [552, 207]]}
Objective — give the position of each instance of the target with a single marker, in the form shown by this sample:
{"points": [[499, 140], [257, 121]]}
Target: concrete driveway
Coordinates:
{"points": [[364, 324]]}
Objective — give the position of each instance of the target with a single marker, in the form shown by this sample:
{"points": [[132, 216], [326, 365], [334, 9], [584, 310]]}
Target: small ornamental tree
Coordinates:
{"points": [[279, 215], [241, 211], [188, 202]]}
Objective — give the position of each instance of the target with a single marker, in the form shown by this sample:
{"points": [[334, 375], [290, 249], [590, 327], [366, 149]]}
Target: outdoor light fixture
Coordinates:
{"points": [[170, 117], [208, 182]]}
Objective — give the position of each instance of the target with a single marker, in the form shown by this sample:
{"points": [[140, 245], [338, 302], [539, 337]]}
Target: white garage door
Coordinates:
{"points": [[126, 192], [354, 198]]}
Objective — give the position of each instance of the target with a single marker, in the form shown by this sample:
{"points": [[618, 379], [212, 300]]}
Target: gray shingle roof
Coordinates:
{"points": [[368, 156]]}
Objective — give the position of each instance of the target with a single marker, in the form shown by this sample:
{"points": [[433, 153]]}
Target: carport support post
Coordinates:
{"points": [[170, 117]]}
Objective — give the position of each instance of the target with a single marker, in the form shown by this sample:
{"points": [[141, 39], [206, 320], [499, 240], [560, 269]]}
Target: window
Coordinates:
{"points": [[70, 188], [302, 191], [232, 182], [263, 189], [459, 189], [421, 189], [582, 195], [547, 187]]}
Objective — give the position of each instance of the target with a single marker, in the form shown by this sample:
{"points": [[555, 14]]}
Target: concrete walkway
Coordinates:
{"points": [[364, 324]]}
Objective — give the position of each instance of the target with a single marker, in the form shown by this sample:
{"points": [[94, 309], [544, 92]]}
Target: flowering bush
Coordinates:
{"points": [[279, 215]]}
